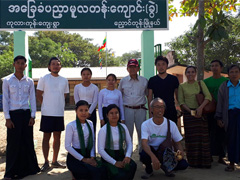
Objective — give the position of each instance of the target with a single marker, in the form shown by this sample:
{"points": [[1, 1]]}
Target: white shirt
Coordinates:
{"points": [[115, 135], [17, 94], [72, 139], [53, 89], [134, 92], [89, 94], [156, 134], [107, 97]]}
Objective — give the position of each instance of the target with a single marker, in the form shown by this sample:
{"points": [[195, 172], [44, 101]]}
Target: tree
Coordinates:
{"points": [[226, 50], [123, 60], [210, 17], [6, 41]]}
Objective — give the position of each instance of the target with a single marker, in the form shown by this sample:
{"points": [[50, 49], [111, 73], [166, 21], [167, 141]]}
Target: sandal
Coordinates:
{"points": [[229, 168]]}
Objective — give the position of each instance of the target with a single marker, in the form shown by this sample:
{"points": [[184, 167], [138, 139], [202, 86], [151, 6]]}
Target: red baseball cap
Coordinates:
{"points": [[132, 62]]}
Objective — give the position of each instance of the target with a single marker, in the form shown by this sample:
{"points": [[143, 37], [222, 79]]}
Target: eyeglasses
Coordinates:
{"points": [[159, 107]]}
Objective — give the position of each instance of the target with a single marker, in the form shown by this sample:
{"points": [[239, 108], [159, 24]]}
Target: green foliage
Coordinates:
{"points": [[226, 50], [72, 49], [6, 41], [130, 55]]}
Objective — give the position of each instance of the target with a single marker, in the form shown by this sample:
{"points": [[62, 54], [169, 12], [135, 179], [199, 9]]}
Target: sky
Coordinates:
{"points": [[125, 41]]}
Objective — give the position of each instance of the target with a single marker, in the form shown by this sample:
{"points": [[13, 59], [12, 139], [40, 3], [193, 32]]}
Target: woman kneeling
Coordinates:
{"points": [[80, 144], [112, 139]]}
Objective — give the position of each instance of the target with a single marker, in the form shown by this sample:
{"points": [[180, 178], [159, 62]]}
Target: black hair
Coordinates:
{"points": [[53, 58], [112, 106], [161, 58], [81, 103], [233, 66], [113, 75], [194, 67], [20, 57], [86, 69], [218, 61]]}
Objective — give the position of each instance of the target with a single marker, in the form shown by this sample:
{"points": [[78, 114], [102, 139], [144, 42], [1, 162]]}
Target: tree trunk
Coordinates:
{"points": [[200, 44]]}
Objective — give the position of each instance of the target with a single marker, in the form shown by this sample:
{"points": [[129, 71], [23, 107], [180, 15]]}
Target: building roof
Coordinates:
{"points": [[74, 73]]}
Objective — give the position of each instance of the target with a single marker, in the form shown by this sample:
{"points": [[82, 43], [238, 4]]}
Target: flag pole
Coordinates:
{"points": [[106, 53]]}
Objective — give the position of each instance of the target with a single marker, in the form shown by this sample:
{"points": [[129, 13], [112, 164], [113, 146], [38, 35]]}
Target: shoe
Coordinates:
{"points": [[169, 174], [229, 168], [45, 167], [221, 161], [57, 165], [146, 175]]}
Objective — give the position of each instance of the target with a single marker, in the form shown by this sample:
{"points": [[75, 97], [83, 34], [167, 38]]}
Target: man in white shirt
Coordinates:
{"points": [[18, 92], [51, 92], [156, 131], [134, 92]]}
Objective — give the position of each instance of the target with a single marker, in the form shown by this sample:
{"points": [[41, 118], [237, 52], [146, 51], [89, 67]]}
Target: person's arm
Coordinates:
{"points": [[76, 95], [150, 98], [176, 95], [120, 101], [40, 96], [32, 99], [95, 101], [68, 143], [181, 100], [66, 91], [219, 109], [100, 111], [101, 146], [155, 162], [207, 96], [5, 89], [179, 148]]}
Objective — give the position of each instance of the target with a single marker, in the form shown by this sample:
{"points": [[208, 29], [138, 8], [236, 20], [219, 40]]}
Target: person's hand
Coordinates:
{"points": [[123, 121], [89, 115], [156, 163], [9, 124], [220, 123], [90, 161], [126, 160], [199, 112], [119, 164], [31, 122], [102, 123]]}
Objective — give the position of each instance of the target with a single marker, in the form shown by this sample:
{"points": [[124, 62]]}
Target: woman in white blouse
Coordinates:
{"points": [[88, 92], [107, 96], [80, 144], [115, 146]]}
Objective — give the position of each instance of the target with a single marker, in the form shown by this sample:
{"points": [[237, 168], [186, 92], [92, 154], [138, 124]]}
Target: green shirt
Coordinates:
{"points": [[187, 94], [214, 84]]}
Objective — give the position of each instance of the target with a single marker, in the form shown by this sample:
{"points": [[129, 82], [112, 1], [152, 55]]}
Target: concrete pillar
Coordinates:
{"points": [[21, 46], [147, 53]]}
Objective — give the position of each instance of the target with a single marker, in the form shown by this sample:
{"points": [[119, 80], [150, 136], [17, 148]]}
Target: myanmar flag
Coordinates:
{"points": [[104, 45]]}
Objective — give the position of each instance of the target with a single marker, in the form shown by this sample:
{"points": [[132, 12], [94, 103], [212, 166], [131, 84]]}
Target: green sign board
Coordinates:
{"points": [[83, 14]]}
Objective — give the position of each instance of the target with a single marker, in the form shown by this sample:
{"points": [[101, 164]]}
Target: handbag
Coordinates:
{"points": [[166, 154], [211, 106]]}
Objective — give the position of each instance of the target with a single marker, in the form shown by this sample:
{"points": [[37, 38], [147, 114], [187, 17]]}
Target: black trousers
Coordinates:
{"points": [[171, 114], [81, 170], [93, 118], [21, 158], [217, 137]]}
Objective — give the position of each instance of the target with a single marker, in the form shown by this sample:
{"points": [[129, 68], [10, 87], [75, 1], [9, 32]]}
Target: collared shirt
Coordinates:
{"points": [[17, 94], [115, 137], [234, 95], [72, 139], [89, 94], [134, 92], [107, 97]]}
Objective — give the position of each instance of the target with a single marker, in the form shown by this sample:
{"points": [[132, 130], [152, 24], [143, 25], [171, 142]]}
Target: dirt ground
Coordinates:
{"points": [[215, 173]]}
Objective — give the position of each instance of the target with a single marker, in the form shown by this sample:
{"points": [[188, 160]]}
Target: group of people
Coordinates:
{"points": [[119, 109]]}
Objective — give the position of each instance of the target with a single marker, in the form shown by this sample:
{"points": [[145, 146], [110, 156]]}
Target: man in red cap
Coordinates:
{"points": [[134, 92]]}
